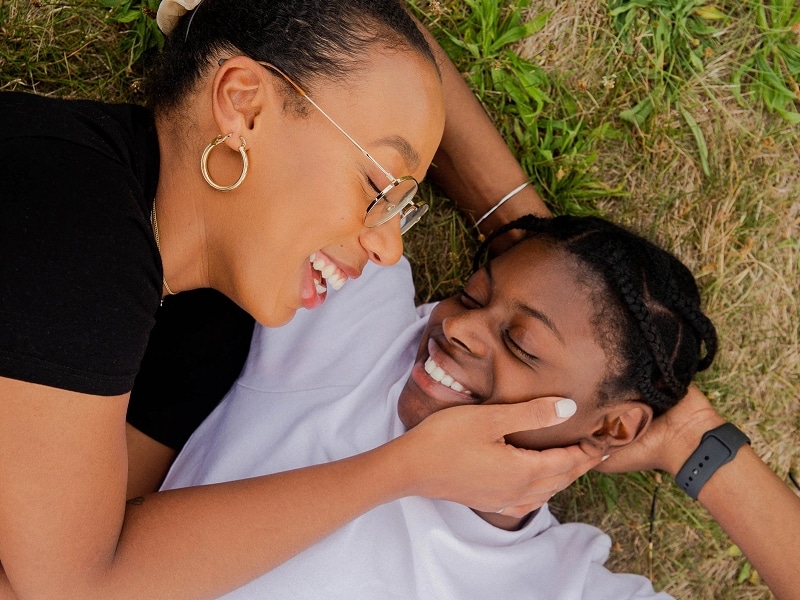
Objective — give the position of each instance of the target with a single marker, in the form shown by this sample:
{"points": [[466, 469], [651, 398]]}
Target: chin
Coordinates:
{"points": [[277, 317], [406, 410]]}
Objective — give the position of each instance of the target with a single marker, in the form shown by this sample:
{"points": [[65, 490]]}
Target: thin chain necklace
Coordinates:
{"points": [[154, 223]]}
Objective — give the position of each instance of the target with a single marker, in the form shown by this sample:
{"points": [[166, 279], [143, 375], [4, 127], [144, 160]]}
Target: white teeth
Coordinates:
{"points": [[429, 365], [320, 288], [336, 282], [334, 277], [438, 374]]}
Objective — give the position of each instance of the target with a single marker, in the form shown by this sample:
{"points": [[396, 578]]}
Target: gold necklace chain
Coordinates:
{"points": [[154, 223]]}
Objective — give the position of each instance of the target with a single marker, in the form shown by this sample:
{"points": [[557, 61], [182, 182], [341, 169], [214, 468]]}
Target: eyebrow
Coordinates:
{"points": [[528, 310], [405, 149]]}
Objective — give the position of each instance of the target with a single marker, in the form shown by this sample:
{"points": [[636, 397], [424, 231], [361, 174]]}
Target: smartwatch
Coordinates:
{"points": [[717, 447]]}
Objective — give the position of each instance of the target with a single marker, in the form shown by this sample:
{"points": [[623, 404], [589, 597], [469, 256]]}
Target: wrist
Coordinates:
{"points": [[717, 448], [408, 467], [524, 202], [686, 440]]}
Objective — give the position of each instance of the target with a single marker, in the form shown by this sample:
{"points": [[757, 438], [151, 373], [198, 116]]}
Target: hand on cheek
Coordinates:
{"points": [[598, 431]]}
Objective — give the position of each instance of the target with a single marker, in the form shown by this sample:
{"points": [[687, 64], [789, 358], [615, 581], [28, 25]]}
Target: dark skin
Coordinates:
{"points": [[517, 332], [762, 517]]}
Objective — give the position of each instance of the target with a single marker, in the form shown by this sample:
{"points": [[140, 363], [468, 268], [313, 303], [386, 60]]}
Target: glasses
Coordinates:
{"points": [[395, 199]]}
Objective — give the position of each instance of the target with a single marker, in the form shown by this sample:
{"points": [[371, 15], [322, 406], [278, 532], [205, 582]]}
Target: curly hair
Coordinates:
{"points": [[307, 39], [647, 305]]}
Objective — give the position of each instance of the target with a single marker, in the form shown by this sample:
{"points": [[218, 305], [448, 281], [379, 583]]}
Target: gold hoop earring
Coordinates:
{"points": [[204, 164]]}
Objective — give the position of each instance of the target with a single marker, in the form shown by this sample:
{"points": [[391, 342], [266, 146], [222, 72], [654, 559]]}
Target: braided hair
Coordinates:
{"points": [[647, 304]]}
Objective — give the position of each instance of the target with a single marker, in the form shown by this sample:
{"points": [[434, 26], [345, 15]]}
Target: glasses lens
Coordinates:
{"points": [[391, 201], [411, 216]]}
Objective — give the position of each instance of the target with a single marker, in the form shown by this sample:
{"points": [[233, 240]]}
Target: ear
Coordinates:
{"points": [[241, 92], [621, 424]]}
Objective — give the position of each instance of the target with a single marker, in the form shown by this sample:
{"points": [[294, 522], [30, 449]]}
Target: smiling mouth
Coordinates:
{"points": [[327, 273], [441, 376]]}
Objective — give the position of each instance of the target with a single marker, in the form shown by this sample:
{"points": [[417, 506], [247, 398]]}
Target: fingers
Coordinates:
{"points": [[534, 414], [545, 474], [462, 455], [563, 465]]}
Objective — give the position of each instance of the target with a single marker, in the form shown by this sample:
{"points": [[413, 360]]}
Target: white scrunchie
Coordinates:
{"points": [[170, 11]]}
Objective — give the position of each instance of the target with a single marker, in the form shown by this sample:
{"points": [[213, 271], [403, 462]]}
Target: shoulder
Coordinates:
{"points": [[80, 265], [124, 134]]}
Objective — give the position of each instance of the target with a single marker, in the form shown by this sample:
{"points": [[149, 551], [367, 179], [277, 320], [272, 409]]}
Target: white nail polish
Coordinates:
{"points": [[566, 408]]}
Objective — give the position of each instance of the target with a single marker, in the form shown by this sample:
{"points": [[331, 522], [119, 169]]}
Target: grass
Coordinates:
{"points": [[676, 117]]}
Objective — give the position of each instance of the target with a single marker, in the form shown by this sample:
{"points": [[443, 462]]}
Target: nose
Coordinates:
{"points": [[383, 243], [463, 331]]}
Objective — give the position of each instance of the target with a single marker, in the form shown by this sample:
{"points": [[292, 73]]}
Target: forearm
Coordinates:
{"points": [[244, 528], [204, 541], [759, 513], [473, 164]]}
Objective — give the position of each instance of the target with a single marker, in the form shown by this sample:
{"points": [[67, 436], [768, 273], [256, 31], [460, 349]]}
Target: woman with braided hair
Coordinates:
{"points": [[659, 332], [580, 308]]}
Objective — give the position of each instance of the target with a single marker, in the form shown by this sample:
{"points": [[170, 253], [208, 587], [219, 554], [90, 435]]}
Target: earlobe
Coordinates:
{"points": [[623, 424]]}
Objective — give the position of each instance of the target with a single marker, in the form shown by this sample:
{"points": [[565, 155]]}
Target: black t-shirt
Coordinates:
{"points": [[80, 274], [197, 350]]}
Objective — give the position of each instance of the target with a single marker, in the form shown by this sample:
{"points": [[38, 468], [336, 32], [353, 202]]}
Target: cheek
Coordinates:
{"points": [[557, 436], [319, 198]]}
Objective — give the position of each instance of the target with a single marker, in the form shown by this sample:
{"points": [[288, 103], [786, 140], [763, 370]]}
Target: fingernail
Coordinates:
{"points": [[566, 408], [606, 457]]}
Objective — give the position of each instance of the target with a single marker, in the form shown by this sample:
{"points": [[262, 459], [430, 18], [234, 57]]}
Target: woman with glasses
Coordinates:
{"points": [[280, 154]]}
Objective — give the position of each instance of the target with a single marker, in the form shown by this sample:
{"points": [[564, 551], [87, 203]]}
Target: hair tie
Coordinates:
{"points": [[170, 12]]}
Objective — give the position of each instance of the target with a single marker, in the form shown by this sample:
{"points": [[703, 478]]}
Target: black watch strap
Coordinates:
{"points": [[717, 447]]}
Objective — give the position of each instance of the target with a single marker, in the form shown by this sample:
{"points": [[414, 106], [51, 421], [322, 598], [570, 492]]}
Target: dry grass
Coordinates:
{"points": [[67, 49]]}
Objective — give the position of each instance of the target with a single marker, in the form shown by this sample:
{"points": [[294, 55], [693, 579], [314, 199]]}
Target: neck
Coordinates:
{"points": [[506, 522], [179, 202]]}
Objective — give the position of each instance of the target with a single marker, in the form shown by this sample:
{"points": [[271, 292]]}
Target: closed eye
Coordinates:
{"points": [[468, 301], [517, 349], [370, 184]]}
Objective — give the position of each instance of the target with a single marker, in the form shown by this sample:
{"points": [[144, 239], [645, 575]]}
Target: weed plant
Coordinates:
{"points": [[772, 68]]}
